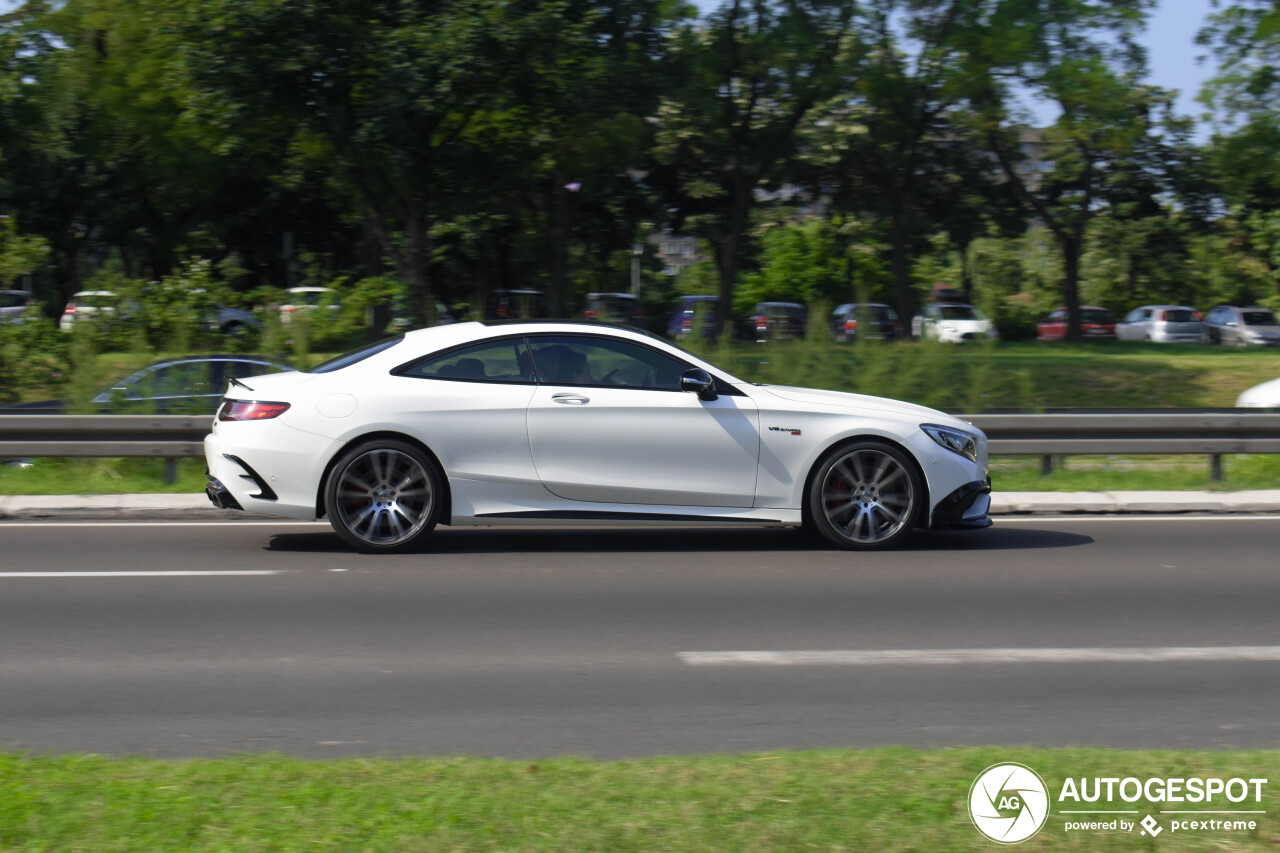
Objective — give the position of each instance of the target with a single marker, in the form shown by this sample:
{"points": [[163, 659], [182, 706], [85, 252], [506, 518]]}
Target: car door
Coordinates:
{"points": [[608, 424], [470, 405], [1132, 327]]}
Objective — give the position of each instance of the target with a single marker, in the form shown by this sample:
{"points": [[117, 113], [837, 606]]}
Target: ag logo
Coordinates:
{"points": [[1008, 803]]}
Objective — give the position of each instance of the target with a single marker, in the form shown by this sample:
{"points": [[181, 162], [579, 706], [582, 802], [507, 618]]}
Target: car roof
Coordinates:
{"points": [[93, 293], [614, 295]]}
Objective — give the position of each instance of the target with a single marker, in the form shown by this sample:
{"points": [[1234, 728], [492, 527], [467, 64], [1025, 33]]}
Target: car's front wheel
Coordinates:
{"points": [[865, 495], [383, 496]]}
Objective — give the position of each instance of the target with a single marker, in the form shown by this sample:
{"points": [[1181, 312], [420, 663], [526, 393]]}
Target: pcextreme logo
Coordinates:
{"points": [[1009, 803]]}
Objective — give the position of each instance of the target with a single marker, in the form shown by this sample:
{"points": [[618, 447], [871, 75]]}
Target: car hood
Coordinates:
{"points": [[865, 403], [1264, 396]]}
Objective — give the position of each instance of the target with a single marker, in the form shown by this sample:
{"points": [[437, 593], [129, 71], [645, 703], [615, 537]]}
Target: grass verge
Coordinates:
{"points": [[891, 799]]}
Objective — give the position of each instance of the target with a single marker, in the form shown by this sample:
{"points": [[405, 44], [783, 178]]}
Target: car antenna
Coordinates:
{"points": [[235, 381]]}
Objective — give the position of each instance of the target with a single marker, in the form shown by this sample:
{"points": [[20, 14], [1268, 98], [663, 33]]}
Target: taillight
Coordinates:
{"points": [[71, 309], [762, 322], [1163, 315], [590, 315], [688, 323], [250, 410], [1195, 315], [851, 325]]}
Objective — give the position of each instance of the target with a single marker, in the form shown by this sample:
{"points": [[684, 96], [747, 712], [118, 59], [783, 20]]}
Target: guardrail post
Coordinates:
{"points": [[171, 469], [1046, 465], [1215, 467]]}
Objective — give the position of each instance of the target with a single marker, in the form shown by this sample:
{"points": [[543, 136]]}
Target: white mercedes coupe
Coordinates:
{"points": [[485, 424]]}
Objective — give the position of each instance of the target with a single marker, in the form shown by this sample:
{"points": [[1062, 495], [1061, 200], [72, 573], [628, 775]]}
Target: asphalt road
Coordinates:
{"points": [[527, 643]]}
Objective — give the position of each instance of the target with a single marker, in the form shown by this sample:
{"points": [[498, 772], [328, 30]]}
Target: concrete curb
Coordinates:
{"points": [[196, 507]]}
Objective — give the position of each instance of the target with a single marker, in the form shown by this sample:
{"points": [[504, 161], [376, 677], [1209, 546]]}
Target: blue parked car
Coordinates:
{"points": [[695, 312]]}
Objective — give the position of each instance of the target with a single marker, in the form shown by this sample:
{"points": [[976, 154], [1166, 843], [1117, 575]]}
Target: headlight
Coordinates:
{"points": [[955, 440]]}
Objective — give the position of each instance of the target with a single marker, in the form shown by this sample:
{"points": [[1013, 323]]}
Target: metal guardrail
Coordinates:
{"points": [[1130, 433]]}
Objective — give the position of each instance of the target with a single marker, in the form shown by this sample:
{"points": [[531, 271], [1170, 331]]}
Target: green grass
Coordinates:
{"points": [[1134, 473], [1026, 375], [99, 477], [891, 799]]}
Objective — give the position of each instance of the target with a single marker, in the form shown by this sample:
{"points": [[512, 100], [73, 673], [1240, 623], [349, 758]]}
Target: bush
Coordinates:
{"points": [[34, 356]]}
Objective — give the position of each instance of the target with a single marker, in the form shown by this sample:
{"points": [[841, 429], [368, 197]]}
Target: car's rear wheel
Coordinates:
{"points": [[865, 495], [384, 496]]}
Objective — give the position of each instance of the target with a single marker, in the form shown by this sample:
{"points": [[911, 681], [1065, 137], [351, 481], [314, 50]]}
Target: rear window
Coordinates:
{"points": [[959, 312], [784, 311], [1096, 316], [13, 300], [1258, 318], [1179, 315], [878, 312], [358, 355], [95, 300]]}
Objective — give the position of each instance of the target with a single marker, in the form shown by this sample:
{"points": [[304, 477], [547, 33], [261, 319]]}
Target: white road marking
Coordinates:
{"points": [[878, 657], [142, 574]]}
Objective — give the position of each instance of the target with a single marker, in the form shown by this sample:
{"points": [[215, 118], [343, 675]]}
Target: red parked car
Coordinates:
{"points": [[1094, 323]]}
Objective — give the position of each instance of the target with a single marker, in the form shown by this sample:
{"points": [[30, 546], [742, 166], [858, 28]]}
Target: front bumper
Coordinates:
{"points": [[964, 509]]}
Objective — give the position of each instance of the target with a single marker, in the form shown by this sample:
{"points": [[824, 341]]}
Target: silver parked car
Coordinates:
{"points": [[1162, 324], [1242, 327], [13, 306]]}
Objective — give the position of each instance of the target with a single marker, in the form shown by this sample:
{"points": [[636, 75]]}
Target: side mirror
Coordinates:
{"points": [[699, 382]]}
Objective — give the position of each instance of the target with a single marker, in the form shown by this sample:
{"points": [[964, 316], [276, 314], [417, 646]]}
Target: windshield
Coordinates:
{"points": [[960, 312], [1258, 318], [357, 355]]}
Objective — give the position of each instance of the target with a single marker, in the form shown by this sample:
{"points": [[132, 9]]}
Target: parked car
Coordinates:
{"points": [[619, 308], [472, 423], [951, 322], [1242, 327], [87, 305], [233, 322], [778, 321], [305, 299], [517, 305], [694, 315], [184, 386], [1095, 324], [865, 319], [1162, 324], [13, 306], [1264, 396]]}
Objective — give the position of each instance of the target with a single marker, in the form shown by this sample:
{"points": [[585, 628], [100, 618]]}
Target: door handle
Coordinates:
{"points": [[570, 399]]}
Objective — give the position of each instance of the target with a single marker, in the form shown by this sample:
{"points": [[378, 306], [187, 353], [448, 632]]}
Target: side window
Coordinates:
{"points": [[581, 360], [491, 361], [183, 379], [1146, 313]]}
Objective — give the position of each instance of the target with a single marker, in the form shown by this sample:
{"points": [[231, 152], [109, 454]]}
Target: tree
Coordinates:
{"points": [[1079, 55], [748, 76]]}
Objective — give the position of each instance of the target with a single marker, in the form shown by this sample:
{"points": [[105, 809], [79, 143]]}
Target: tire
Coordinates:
{"points": [[383, 496], [865, 496]]}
